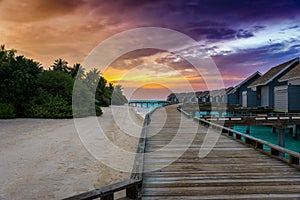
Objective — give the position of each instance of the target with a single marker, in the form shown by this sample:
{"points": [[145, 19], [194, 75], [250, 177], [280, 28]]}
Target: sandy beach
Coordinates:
{"points": [[46, 158]]}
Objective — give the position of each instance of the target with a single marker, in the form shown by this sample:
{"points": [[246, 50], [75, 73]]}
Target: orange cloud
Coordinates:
{"points": [[36, 10]]}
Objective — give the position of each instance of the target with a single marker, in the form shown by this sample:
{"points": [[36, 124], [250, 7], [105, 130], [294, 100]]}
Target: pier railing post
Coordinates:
{"points": [[132, 192], [108, 197], [294, 160]]}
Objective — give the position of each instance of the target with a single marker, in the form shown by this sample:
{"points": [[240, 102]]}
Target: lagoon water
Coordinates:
{"points": [[142, 109], [265, 133], [261, 132]]}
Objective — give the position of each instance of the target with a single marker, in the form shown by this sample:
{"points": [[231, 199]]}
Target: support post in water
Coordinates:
{"points": [[281, 139], [248, 130], [295, 131]]}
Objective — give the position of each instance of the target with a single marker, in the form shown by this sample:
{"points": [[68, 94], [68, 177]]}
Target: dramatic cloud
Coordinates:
{"points": [[240, 36], [36, 10], [244, 34]]}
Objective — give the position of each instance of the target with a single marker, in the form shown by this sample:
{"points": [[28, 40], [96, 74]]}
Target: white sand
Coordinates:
{"points": [[45, 159]]}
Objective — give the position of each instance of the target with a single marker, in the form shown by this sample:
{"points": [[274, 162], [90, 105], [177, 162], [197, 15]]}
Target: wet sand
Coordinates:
{"points": [[45, 158]]}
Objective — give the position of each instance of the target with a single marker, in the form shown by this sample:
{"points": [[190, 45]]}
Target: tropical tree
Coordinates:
{"points": [[77, 71], [27, 90], [60, 65], [118, 98], [17, 80], [92, 79]]}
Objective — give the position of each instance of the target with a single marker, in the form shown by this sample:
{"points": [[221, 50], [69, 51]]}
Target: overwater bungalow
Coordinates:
{"points": [[242, 95], [203, 96], [172, 97], [287, 96], [272, 92], [279, 88], [216, 95], [180, 97], [190, 97]]}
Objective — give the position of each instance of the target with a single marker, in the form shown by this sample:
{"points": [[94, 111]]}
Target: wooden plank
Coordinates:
{"points": [[234, 196], [230, 171], [221, 190], [106, 192]]}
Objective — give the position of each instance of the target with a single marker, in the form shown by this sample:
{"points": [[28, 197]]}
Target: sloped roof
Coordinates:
{"points": [[273, 73], [202, 94], [172, 95], [228, 90], [244, 81], [219, 92], [198, 93], [292, 74], [182, 94], [191, 94]]}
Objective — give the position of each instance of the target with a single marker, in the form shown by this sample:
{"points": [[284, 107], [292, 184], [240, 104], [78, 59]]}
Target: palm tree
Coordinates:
{"points": [[92, 78], [78, 71], [60, 65]]}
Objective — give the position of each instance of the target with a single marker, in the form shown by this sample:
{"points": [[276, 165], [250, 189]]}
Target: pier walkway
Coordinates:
{"points": [[230, 171]]}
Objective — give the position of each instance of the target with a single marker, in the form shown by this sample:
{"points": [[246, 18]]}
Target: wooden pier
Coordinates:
{"points": [[230, 171], [238, 167], [148, 103]]}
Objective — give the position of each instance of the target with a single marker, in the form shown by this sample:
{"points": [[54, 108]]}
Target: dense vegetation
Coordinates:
{"points": [[28, 90]]}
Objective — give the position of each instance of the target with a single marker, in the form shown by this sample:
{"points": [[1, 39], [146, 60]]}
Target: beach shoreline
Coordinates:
{"points": [[46, 159]]}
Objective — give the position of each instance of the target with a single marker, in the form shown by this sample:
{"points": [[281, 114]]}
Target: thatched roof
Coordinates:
{"points": [[292, 74], [273, 73]]}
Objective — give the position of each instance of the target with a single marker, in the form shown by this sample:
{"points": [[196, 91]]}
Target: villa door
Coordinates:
{"points": [[281, 98], [265, 96], [244, 98]]}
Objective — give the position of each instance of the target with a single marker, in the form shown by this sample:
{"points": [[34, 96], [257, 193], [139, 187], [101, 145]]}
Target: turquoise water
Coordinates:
{"points": [[265, 133], [216, 114], [261, 132], [142, 108]]}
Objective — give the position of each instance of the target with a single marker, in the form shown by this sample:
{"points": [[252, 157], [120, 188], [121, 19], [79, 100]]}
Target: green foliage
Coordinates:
{"points": [[118, 98], [57, 83], [7, 111], [46, 105], [60, 65], [29, 91], [17, 80], [77, 71], [103, 93], [84, 101]]}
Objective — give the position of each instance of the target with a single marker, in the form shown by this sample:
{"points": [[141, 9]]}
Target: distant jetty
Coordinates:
{"points": [[148, 103]]}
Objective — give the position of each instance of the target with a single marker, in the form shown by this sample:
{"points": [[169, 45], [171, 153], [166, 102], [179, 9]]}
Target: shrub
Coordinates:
{"points": [[7, 111], [84, 101], [46, 105]]}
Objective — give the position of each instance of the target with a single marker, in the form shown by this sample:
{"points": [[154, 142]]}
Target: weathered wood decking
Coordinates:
{"points": [[230, 171]]}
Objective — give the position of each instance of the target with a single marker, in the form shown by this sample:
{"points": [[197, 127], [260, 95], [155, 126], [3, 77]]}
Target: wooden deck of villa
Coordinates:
{"points": [[230, 171]]}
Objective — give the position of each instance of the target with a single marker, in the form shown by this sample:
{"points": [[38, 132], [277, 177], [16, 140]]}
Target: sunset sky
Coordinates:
{"points": [[240, 36]]}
